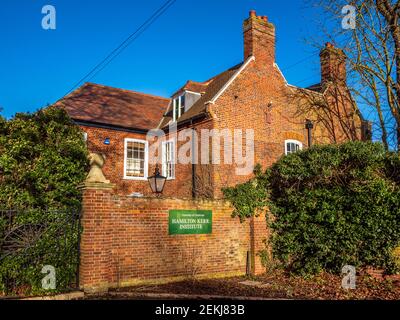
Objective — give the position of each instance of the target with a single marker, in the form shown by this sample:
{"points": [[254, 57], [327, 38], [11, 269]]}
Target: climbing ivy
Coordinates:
{"points": [[249, 198]]}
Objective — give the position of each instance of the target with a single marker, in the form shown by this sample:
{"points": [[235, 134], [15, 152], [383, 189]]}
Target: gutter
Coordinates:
{"points": [[190, 121], [109, 126]]}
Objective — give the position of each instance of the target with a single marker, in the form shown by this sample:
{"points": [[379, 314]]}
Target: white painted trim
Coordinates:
{"points": [[146, 159], [281, 73], [192, 92], [162, 119], [173, 109], [233, 78], [179, 99], [180, 106], [292, 141], [164, 173]]}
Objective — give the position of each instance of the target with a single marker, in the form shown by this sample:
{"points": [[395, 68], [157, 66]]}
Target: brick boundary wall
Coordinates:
{"points": [[125, 241]]}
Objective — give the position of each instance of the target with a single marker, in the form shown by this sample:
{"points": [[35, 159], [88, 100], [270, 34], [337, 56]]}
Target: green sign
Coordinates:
{"points": [[190, 222]]}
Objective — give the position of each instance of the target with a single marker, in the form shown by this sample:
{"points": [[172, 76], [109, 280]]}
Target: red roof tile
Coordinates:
{"points": [[198, 87], [117, 107]]}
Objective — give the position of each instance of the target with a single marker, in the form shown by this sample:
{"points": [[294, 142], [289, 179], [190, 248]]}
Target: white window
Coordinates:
{"points": [[136, 159], [178, 107], [85, 137], [292, 146], [168, 159]]}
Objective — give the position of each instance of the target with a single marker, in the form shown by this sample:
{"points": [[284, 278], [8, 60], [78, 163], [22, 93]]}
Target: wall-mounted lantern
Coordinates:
{"points": [[157, 181], [309, 127], [107, 141]]}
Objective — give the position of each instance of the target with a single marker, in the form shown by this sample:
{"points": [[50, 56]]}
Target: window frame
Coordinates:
{"points": [[163, 150], [292, 141], [146, 159], [177, 105]]}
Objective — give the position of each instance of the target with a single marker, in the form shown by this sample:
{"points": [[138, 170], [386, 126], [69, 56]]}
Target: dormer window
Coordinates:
{"points": [[179, 107]]}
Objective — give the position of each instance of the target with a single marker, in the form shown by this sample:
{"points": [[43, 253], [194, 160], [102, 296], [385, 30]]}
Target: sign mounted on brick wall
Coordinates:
{"points": [[190, 222]]}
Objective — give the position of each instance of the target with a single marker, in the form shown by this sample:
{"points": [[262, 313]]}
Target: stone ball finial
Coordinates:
{"points": [[96, 174]]}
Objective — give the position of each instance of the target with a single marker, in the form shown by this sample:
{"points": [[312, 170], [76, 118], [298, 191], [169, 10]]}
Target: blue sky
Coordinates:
{"points": [[192, 40]]}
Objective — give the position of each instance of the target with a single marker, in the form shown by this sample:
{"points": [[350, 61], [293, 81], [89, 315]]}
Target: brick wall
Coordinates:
{"points": [[125, 241], [114, 164]]}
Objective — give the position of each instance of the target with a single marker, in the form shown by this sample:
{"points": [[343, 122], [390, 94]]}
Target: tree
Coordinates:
{"points": [[373, 55], [391, 11], [43, 159]]}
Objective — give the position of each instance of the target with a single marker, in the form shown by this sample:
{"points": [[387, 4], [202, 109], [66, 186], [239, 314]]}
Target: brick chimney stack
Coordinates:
{"points": [[333, 64], [259, 39]]}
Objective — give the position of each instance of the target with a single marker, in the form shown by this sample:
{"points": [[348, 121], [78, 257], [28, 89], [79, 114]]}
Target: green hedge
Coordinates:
{"points": [[43, 159], [331, 206], [57, 246]]}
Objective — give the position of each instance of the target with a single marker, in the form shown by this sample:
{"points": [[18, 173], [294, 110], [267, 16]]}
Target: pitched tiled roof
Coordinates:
{"points": [[214, 85], [116, 107], [198, 87], [316, 87]]}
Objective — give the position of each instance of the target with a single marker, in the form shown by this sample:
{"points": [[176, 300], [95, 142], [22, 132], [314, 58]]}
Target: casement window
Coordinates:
{"points": [[178, 107], [136, 160], [168, 159], [292, 146]]}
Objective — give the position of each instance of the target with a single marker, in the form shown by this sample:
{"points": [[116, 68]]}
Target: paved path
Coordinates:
{"points": [[170, 296]]}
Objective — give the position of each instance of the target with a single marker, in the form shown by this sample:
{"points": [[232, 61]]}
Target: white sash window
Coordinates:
{"points": [[168, 159], [136, 161]]}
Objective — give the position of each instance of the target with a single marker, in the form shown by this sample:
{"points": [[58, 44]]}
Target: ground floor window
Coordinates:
{"points": [[136, 161], [168, 158], [292, 146]]}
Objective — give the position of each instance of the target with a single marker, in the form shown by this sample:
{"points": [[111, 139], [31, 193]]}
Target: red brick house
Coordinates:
{"points": [[251, 95]]}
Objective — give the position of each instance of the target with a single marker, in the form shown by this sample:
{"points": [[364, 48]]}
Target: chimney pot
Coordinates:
{"points": [[259, 39], [333, 64]]}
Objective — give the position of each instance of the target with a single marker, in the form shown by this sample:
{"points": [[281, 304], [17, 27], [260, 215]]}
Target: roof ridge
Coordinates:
{"points": [[208, 81], [198, 82], [125, 90]]}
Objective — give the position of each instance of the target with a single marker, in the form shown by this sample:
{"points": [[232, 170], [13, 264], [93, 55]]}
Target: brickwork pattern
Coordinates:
{"points": [[126, 241]]}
